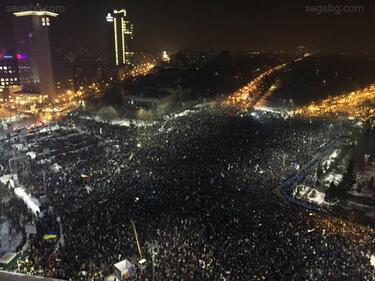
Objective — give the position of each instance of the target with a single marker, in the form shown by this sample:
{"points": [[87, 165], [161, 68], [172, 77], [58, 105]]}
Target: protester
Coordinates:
{"points": [[199, 186]]}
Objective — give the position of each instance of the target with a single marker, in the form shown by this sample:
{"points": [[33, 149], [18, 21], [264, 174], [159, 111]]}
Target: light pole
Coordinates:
{"points": [[153, 249], [137, 240], [153, 262]]}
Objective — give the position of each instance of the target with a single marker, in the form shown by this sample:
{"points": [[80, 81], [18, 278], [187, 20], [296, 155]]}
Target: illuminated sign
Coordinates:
{"points": [[22, 56], [116, 41], [123, 39], [5, 56], [109, 17], [123, 11], [35, 13]]}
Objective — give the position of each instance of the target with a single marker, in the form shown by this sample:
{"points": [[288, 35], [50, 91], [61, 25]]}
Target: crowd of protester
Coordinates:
{"points": [[199, 186]]}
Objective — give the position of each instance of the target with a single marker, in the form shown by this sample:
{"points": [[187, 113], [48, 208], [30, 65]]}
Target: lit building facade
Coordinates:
{"points": [[121, 38], [158, 99], [8, 72], [27, 99], [32, 44]]}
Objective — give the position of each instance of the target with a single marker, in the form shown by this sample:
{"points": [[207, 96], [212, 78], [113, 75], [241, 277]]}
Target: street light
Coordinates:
{"points": [[153, 249]]}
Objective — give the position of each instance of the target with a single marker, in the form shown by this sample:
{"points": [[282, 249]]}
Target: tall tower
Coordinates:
{"points": [[33, 51], [122, 32]]}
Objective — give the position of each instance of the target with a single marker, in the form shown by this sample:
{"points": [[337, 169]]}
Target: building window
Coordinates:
{"points": [[45, 22]]}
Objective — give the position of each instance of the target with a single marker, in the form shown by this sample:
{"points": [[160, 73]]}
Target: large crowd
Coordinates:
{"points": [[199, 186]]}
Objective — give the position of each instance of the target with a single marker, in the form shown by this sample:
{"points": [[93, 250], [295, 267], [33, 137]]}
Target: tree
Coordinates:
{"points": [[348, 179], [113, 96], [371, 184], [108, 113], [319, 170], [332, 191], [359, 187]]}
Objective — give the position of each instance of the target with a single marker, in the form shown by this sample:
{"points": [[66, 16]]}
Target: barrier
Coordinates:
{"points": [[286, 188]]}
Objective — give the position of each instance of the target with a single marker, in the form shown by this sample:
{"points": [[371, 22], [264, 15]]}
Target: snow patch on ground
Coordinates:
{"points": [[183, 113], [331, 158], [32, 203], [44, 161], [20, 147], [88, 189], [269, 109], [121, 122], [49, 128], [7, 178], [31, 154], [311, 195], [336, 178], [56, 167], [128, 123], [8, 242], [372, 260]]}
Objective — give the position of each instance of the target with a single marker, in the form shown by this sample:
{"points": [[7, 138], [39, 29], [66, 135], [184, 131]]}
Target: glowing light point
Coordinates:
{"points": [[165, 56], [109, 17]]}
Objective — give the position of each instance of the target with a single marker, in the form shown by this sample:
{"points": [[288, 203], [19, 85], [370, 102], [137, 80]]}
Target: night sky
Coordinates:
{"points": [[204, 24]]}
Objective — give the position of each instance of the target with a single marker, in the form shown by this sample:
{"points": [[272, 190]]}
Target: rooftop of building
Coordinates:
{"points": [[149, 93], [26, 93], [10, 276], [35, 13]]}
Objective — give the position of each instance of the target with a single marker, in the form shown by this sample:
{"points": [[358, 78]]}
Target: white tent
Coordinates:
{"points": [[124, 269]]}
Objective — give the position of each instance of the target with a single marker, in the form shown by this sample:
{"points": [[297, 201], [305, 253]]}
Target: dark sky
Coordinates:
{"points": [[220, 24]]}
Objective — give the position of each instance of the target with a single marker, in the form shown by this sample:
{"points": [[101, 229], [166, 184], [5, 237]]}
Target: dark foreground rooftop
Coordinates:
{"points": [[8, 276]]}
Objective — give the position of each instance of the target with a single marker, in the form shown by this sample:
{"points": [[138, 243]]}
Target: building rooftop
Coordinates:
{"points": [[10, 276], [149, 93], [7, 258], [36, 13]]}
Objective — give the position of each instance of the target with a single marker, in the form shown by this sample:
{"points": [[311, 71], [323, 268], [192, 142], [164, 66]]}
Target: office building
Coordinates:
{"points": [[32, 44], [8, 72], [121, 33]]}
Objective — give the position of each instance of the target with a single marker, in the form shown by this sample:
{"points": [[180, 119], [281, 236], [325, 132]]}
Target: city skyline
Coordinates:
{"points": [[263, 25], [120, 32], [187, 140], [31, 33]]}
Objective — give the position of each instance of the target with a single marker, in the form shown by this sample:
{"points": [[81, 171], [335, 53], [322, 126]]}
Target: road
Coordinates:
{"points": [[250, 94], [286, 188]]}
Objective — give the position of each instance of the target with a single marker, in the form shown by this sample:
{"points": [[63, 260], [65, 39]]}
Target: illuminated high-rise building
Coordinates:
{"points": [[32, 44], [8, 72], [122, 37]]}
